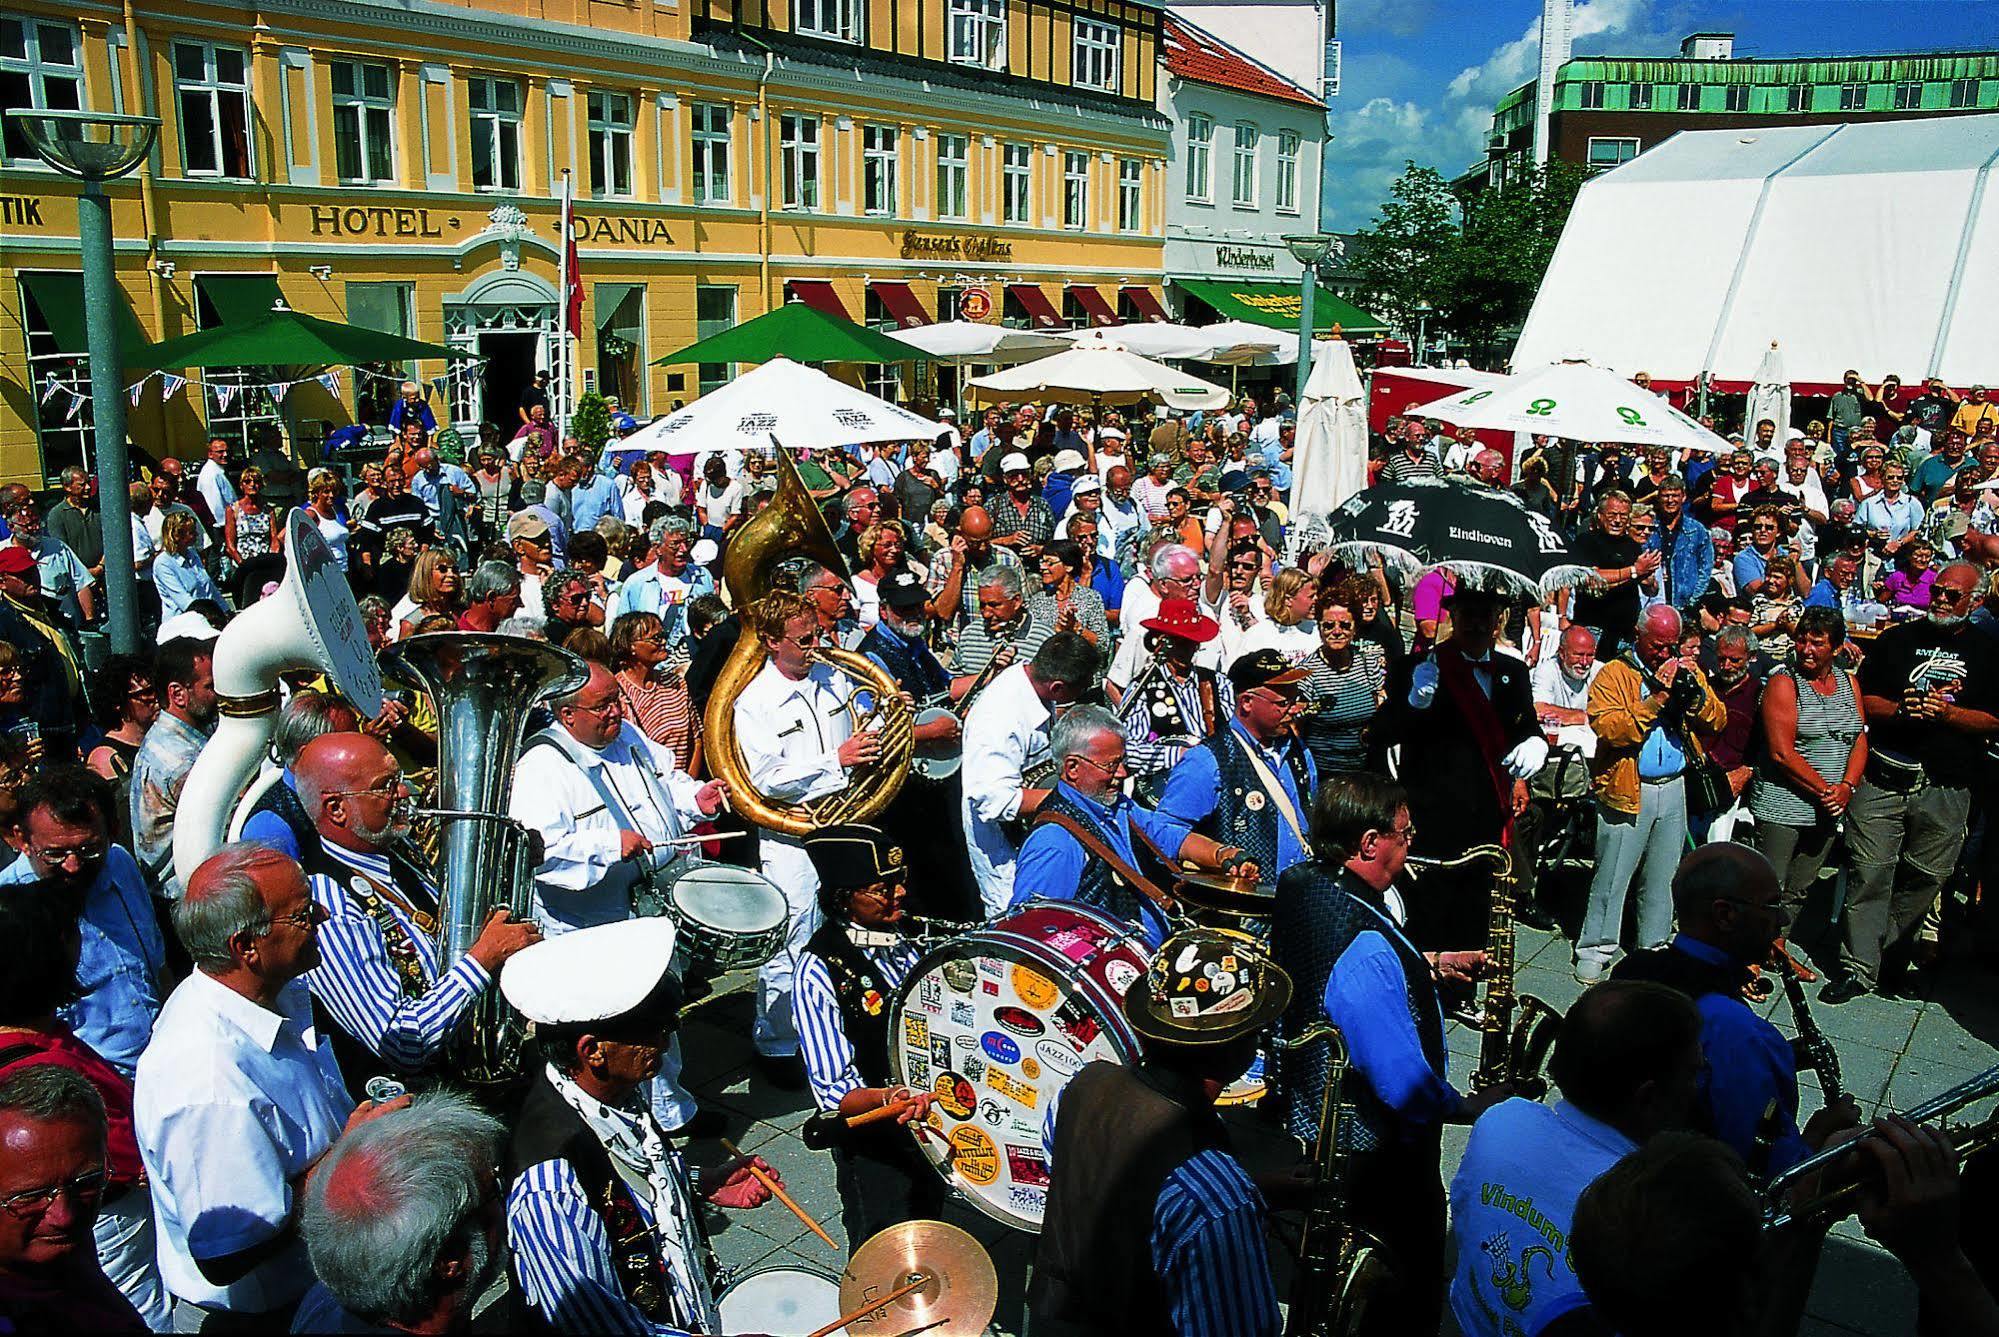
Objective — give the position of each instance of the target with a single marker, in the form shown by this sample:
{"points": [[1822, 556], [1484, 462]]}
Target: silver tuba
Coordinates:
{"points": [[310, 624], [483, 686]]}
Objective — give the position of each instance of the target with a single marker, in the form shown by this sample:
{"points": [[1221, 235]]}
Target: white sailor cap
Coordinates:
{"points": [[589, 974]]}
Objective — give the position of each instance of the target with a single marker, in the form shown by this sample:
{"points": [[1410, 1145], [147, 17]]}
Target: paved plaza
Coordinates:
{"points": [[1892, 1054]]}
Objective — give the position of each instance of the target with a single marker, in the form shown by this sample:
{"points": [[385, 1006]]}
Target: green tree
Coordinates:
{"points": [[1406, 258], [590, 422], [1506, 237]]}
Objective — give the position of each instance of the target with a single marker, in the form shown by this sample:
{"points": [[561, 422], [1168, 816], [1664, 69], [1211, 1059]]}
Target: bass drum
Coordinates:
{"points": [[996, 1023]]}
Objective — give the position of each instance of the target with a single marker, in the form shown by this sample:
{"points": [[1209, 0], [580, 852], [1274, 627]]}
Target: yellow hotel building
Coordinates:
{"points": [[398, 164]]}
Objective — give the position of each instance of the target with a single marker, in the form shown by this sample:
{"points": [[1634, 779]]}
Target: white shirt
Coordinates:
{"points": [[216, 491], [560, 790], [1236, 640], [789, 732], [145, 548], [1553, 687], [717, 507], [1458, 458], [1006, 734], [944, 459], [231, 1103]]}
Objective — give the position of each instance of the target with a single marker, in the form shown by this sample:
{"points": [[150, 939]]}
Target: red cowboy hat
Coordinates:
{"points": [[1183, 618]]}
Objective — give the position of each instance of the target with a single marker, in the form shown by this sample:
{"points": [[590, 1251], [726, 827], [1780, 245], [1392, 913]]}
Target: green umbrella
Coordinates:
{"points": [[801, 333], [283, 337]]}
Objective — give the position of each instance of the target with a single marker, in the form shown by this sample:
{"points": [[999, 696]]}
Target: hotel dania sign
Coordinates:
{"points": [[955, 246]]}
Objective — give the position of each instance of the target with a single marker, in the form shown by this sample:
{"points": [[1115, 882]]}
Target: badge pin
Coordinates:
{"points": [[1254, 801]]}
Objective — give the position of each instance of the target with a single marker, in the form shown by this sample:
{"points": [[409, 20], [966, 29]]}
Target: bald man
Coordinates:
{"points": [[1488, 468], [1653, 713], [957, 569], [392, 1000]]}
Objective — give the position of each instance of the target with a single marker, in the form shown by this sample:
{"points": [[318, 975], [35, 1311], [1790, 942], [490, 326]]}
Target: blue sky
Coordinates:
{"points": [[1419, 77]]}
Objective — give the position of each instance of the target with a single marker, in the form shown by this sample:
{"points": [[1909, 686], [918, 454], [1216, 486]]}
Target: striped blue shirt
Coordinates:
{"points": [[822, 1034], [1144, 750], [562, 1255], [359, 985]]}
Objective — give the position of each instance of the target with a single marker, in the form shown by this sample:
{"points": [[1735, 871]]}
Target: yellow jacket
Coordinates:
{"points": [[1622, 713]]}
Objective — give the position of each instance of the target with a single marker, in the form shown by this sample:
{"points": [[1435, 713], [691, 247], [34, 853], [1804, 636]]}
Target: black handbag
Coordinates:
{"points": [[1708, 791]]}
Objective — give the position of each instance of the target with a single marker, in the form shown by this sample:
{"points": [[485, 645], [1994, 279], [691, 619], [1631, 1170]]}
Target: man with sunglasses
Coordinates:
{"points": [[392, 1003], [1930, 691]]}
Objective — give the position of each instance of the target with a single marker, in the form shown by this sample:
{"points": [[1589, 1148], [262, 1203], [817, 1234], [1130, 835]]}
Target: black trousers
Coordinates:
{"points": [[883, 1179], [1397, 1196]]}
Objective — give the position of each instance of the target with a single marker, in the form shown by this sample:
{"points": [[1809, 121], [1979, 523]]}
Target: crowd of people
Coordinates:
{"points": [[1766, 726]]}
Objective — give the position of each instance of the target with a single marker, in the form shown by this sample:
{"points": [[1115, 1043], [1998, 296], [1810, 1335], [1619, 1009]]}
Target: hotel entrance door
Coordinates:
{"points": [[510, 359]]}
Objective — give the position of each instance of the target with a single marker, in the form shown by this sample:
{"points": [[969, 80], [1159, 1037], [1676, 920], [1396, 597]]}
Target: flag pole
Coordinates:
{"points": [[562, 316]]}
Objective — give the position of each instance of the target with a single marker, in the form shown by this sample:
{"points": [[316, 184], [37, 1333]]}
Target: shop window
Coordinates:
{"points": [[954, 166], [63, 421], [610, 145], [880, 147], [1097, 50], [212, 89], [41, 67], [1015, 175], [364, 114], [1075, 190], [714, 313], [1130, 194], [496, 133], [390, 308], [884, 380], [714, 130], [798, 150], [978, 33], [235, 401], [1200, 156]]}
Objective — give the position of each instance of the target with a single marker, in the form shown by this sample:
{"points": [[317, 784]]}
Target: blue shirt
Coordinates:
{"points": [[591, 500], [1107, 579], [1367, 998], [267, 828], [1823, 595], [402, 409], [1194, 790], [122, 962], [1051, 860], [1749, 1064], [181, 580], [1660, 756]]}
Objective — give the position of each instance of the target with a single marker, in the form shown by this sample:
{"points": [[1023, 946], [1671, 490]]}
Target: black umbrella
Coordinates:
{"points": [[1484, 537]]}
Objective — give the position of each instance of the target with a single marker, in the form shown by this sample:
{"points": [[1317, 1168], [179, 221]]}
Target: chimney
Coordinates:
{"points": [[1708, 46]]}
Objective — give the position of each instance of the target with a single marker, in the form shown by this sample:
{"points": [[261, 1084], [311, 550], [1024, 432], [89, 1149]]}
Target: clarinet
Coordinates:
{"points": [[1814, 1052]]}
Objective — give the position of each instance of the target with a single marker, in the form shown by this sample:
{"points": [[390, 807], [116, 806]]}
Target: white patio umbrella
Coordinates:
{"points": [[1239, 343], [1329, 462], [1157, 339], [1099, 373], [1769, 397], [967, 341], [801, 406], [1577, 400]]}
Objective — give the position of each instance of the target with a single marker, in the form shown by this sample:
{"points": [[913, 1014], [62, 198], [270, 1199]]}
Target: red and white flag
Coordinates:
{"points": [[573, 299]]}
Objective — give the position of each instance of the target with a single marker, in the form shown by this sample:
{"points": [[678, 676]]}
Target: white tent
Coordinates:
{"points": [[1099, 372], [965, 341], [1331, 449], [795, 405], [1873, 246]]}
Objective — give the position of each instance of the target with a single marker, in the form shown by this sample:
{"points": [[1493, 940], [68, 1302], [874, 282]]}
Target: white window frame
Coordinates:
{"points": [[978, 33], [1853, 97], [881, 158], [1590, 95], [41, 71], [1735, 97], [1289, 144], [1016, 183], [1908, 95], [1243, 161], [503, 158], [1688, 97], [1798, 97], [833, 20], [1075, 190], [714, 144], [798, 152], [212, 87], [1589, 151], [1130, 195], [1639, 97], [1097, 54], [713, 375], [954, 176], [372, 115], [1963, 93], [610, 143], [1201, 158]]}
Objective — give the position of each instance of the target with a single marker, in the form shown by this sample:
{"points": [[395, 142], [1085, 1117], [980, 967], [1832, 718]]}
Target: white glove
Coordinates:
{"points": [[1526, 760], [1423, 684]]}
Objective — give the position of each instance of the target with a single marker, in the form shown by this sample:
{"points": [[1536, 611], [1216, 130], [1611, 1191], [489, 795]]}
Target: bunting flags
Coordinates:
{"points": [[171, 385], [330, 380], [50, 387], [225, 395], [137, 392]]}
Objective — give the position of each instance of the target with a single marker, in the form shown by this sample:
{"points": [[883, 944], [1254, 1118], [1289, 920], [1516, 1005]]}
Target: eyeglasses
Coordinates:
{"points": [[85, 1190], [386, 789], [91, 853], [1949, 592], [310, 916], [1113, 770], [1405, 833], [602, 710]]}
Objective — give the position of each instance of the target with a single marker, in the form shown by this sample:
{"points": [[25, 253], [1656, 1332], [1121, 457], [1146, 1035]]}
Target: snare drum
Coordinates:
{"points": [[782, 1301], [996, 1023], [728, 917]]}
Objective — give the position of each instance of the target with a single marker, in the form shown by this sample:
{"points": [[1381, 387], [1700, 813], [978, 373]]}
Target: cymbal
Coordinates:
{"points": [[959, 1284]]}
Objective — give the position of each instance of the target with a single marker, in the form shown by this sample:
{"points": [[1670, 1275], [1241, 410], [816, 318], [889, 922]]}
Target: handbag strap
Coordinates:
{"points": [[1094, 843]]}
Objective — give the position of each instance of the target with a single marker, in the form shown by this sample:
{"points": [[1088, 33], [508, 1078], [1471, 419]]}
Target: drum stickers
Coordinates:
{"points": [[994, 1024]]}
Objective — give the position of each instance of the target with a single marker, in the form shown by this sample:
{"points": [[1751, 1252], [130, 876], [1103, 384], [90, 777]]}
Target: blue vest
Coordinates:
{"points": [[1234, 821], [1101, 888], [911, 664]]}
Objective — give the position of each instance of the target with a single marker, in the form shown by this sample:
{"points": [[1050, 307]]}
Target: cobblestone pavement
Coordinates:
{"points": [[1892, 1054]]}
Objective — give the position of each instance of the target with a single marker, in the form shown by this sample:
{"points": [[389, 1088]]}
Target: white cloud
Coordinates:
{"points": [[1514, 63]]}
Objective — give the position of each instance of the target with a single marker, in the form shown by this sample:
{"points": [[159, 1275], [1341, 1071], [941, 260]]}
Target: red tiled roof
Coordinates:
{"points": [[1206, 59]]}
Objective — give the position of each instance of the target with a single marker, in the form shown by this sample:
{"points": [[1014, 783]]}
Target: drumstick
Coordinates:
{"points": [[888, 1111], [933, 1323], [874, 1305], [701, 839], [777, 1191]]}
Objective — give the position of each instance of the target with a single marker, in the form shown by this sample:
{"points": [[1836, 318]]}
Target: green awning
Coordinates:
{"points": [[1276, 305], [239, 299], [60, 298]]}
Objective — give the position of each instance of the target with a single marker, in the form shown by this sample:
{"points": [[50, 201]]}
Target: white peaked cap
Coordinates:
{"points": [[589, 974]]}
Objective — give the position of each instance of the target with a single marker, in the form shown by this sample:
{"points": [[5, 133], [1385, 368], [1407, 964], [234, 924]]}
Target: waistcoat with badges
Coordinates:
{"points": [[1100, 888], [417, 899], [913, 667], [547, 1129], [1162, 712], [1247, 814], [863, 999]]}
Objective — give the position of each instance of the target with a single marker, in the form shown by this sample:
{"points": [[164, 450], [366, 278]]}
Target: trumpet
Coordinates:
{"points": [[1832, 1197]]}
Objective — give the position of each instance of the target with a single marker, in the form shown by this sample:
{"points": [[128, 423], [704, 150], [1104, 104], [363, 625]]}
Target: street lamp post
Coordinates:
{"points": [[1310, 250], [95, 148], [1423, 310]]}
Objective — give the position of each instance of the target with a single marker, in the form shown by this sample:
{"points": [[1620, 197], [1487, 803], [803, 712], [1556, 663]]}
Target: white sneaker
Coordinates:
{"points": [[1589, 971]]}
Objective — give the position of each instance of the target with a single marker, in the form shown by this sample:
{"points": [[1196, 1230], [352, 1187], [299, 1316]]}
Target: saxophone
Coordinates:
{"points": [[1340, 1266]]}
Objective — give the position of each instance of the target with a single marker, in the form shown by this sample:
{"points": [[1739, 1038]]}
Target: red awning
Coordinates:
{"points": [[901, 303], [1041, 312], [819, 295], [1094, 305], [1145, 303]]}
